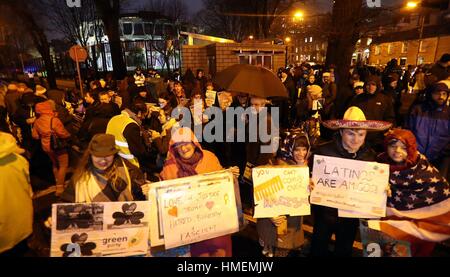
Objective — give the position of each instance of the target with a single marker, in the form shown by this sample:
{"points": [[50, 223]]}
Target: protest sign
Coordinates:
{"points": [[281, 190], [352, 185], [379, 244], [210, 98], [162, 204], [199, 214], [113, 229]]}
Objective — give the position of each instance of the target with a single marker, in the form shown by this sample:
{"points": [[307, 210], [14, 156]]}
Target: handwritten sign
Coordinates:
{"points": [[350, 185], [199, 214], [378, 244], [281, 190], [210, 98], [109, 229], [162, 204]]}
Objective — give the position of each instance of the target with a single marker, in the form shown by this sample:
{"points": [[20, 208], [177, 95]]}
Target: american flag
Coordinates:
{"points": [[419, 206]]}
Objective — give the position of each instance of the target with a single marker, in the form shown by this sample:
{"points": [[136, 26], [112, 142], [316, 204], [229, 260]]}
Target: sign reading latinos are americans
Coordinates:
{"points": [[192, 209], [281, 190], [109, 229], [350, 185]]}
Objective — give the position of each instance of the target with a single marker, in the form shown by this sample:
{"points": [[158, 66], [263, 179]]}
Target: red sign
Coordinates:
{"points": [[78, 53]]}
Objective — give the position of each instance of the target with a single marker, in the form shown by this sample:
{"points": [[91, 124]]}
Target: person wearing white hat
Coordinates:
{"points": [[348, 143]]}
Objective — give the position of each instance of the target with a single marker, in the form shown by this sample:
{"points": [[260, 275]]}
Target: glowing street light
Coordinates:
{"points": [[288, 39], [411, 5], [250, 37]]}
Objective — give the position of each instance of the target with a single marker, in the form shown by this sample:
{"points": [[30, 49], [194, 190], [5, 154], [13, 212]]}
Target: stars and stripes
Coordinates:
{"points": [[423, 211]]}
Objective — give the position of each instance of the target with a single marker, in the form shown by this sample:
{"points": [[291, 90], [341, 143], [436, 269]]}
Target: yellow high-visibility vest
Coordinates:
{"points": [[116, 127]]}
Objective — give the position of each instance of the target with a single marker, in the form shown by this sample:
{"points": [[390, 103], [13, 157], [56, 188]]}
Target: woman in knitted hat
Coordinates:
{"points": [[418, 208], [294, 150], [103, 176]]}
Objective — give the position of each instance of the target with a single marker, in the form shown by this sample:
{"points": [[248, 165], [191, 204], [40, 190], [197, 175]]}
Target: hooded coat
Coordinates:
{"points": [[207, 163], [16, 206], [41, 128]]}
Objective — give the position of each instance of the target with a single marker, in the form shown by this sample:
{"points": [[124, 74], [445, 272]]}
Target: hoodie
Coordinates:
{"points": [[16, 208], [41, 128]]}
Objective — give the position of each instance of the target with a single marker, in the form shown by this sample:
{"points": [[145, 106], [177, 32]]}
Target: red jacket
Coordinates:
{"points": [[41, 128]]}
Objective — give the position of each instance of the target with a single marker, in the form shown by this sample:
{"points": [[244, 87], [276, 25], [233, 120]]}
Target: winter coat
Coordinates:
{"points": [[375, 106], [16, 206], [12, 101], [41, 128], [431, 126], [208, 163], [102, 114], [335, 149]]}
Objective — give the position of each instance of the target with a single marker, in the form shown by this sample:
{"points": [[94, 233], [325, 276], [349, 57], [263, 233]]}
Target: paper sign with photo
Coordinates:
{"points": [[113, 229], [199, 214], [281, 190], [352, 185]]}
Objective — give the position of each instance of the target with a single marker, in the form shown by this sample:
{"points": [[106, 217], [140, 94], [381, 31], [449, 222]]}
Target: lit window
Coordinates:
{"points": [[296, 49], [310, 39], [389, 48], [404, 47], [306, 39]]}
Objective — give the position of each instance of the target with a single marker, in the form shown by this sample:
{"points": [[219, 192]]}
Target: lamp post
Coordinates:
{"points": [[413, 5], [287, 41]]}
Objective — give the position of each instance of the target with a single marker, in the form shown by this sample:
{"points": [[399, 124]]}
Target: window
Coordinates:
{"points": [[377, 50], [317, 47], [148, 28], [296, 49], [264, 60], [138, 29], [420, 60], [427, 19], [421, 46], [403, 61], [404, 47], [127, 28], [310, 39], [323, 45], [306, 39], [158, 30], [389, 48]]}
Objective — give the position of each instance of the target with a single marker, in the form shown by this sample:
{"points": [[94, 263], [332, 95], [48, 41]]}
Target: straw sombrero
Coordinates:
{"points": [[354, 118]]}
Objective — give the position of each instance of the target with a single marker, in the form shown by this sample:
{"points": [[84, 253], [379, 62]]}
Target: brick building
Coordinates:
{"points": [[215, 54]]}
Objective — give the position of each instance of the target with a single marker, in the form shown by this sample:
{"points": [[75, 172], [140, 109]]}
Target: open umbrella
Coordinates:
{"points": [[254, 80]]}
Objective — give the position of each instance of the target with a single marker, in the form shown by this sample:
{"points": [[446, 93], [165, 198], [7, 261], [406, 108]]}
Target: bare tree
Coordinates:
{"points": [[28, 13], [237, 19]]}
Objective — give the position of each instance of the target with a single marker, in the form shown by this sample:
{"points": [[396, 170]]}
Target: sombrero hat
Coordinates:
{"points": [[354, 118]]}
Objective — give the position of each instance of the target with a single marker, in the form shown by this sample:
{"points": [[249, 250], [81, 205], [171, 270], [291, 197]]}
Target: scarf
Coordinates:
{"points": [[186, 168]]}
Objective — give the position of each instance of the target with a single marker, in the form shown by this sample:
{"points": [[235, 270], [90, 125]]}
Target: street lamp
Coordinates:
{"points": [[298, 15], [250, 37], [413, 5]]}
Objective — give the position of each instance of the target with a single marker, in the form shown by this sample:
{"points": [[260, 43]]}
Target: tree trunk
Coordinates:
{"points": [[110, 14], [49, 66], [342, 39]]}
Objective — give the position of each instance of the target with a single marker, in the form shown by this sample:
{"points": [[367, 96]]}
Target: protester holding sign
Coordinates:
{"points": [[348, 143], [285, 231], [103, 176], [418, 210], [187, 158]]}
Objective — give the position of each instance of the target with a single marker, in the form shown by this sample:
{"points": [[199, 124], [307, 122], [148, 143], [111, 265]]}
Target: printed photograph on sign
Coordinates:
{"points": [[281, 190], [79, 216], [351, 185]]}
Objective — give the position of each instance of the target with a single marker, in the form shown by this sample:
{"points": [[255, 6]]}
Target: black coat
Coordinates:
{"points": [[375, 106]]}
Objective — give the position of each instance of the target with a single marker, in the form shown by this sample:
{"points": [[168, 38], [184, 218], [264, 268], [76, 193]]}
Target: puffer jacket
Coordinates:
{"points": [[16, 206], [431, 126], [41, 128]]}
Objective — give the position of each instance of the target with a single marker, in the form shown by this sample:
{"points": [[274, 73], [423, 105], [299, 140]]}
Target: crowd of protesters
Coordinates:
{"points": [[123, 131]]}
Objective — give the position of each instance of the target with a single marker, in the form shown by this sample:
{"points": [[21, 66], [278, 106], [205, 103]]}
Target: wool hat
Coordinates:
{"points": [[102, 145], [40, 90], [354, 118]]}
